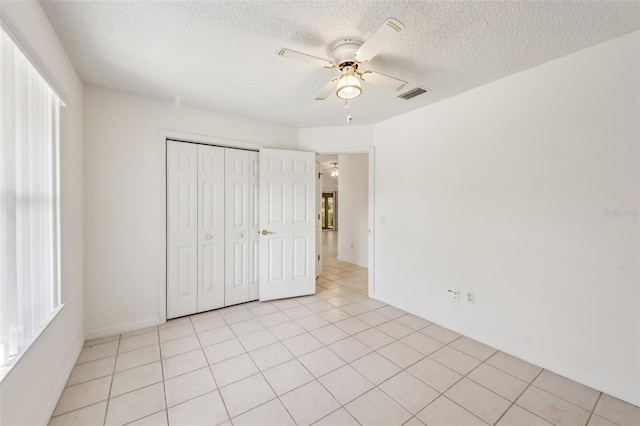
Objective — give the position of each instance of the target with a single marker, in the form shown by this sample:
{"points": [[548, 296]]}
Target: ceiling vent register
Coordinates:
{"points": [[413, 93]]}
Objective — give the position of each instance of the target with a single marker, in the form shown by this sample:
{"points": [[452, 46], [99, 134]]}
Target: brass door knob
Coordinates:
{"points": [[265, 232]]}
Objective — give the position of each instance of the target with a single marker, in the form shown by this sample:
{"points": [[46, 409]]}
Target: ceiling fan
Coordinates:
{"points": [[347, 55]]}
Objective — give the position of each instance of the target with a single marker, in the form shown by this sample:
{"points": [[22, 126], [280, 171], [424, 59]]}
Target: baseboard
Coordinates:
{"points": [[62, 381], [122, 328]]}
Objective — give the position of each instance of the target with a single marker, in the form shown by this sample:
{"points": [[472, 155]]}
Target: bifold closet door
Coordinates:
{"points": [[254, 204], [211, 227], [182, 229], [237, 216]]}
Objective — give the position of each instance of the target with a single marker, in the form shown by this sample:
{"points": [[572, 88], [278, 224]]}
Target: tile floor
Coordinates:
{"points": [[336, 358]]}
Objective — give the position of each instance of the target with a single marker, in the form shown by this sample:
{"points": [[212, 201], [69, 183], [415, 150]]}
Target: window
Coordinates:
{"points": [[29, 204]]}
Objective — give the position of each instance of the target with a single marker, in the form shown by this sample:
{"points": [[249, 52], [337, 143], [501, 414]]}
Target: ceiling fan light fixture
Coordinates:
{"points": [[334, 170], [348, 86]]}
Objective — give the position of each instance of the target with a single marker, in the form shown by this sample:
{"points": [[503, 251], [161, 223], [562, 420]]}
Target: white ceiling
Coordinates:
{"points": [[222, 55]]}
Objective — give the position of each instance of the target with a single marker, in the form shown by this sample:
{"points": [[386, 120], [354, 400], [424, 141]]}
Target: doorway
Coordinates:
{"points": [[328, 211]]}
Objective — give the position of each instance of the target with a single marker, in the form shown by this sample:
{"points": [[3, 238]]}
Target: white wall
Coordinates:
{"points": [[353, 208], [334, 140], [125, 207], [503, 190], [29, 393]]}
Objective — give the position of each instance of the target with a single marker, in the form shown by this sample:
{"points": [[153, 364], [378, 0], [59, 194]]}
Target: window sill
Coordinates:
{"points": [[6, 369]]}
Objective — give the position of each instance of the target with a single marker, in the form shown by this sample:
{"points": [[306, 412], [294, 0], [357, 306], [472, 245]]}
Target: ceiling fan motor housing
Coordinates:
{"points": [[342, 51]]}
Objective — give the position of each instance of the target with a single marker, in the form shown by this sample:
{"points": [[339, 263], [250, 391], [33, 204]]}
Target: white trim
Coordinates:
{"points": [[33, 57], [60, 384], [371, 246], [123, 328]]}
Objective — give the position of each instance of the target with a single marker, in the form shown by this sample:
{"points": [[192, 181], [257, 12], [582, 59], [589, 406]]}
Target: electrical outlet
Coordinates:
{"points": [[469, 297], [454, 293]]}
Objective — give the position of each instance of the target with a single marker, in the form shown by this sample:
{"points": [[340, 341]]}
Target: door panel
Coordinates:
{"points": [[287, 215], [182, 229], [254, 178], [237, 226], [211, 231]]}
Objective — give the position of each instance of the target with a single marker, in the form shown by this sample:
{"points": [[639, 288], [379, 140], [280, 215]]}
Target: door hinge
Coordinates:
{"points": [[318, 257]]}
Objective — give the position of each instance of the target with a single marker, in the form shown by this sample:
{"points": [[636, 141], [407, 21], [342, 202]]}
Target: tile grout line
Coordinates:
{"points": [[518, 397], [106, 411]]}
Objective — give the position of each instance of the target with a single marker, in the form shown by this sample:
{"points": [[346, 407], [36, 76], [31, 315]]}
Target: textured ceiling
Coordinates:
{"points": [[222, 55]]}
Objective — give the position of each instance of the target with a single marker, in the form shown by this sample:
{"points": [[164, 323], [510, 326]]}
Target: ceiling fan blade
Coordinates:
{"points": [[292, 54], [383, 35], [382, 80], [327, 90]]}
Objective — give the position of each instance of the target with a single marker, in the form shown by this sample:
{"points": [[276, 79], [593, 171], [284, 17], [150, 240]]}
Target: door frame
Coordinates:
{"points": [[370, 150], [161, 153]]}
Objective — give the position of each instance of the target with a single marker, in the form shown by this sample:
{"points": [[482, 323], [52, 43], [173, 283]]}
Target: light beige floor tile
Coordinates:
{"points": [[175, 322], [414, 422], [596, 420], [302, 344], [216, 335], [257, 339], [101, 350], [514, 366], [233, 369], [352, 325], [395, 329], [107, 339], [140, 331], [518, 416], [376, 408], [339, 417], [246, 327], [188, 386], [334, 315], [391, 312], [409, 392], [485, 404], [136, 378], [617, 411], [421, 343], [156, 419], [83, 394], [285, 304], [209, 323], [311, 322], [439, 333], [223, 350], [309, 403], [444, 412], [413, 322], [373, 318], [567, 389], [297, 312], [400, 354], [138, 341], [287, 376], [346, 384], [271, 413], [274, 319], [321, 361], [135, 405], [91, 370], [90, 415], [242, 396], [320, 306], [184, 363], [205, 410], [329, 334], [179, 346], [239, 315], [552, 408], [270, 356], [137, 358], [171, 333], [349, 349], [455, 360], [261, 309], [503, 384], [473, 348], [373, 338], [375, 367], [357, 308], [434, 374], [287, 330]]}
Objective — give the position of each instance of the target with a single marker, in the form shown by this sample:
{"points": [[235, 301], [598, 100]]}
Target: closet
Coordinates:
{"points": [[212, 227]]}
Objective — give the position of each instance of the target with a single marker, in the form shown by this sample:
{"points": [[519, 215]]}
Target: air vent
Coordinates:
{"points": [[412, 93]]}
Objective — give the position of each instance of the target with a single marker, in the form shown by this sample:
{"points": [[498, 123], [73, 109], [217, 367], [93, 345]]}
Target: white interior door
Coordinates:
{"points": [[210, 227], [237, 226], [287, 220], [254, 194], [318, 217], [182, 229]]}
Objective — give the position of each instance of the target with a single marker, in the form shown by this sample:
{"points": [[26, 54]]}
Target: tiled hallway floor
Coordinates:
{"points": [[336, 358]]}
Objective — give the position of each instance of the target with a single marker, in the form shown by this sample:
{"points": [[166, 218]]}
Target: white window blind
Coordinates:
{"points": [[29, 206]]}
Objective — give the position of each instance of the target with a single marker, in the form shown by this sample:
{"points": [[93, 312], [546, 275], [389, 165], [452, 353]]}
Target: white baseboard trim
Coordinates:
{"points": [[62, 381], [122, 328]]}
